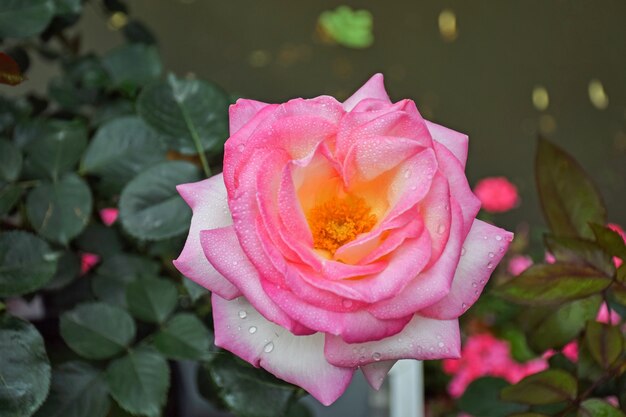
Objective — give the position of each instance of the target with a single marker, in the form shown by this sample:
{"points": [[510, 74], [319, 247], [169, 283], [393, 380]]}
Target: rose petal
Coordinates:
{"points": [[422, 338], [242, 112], [222, 249], [456, 142], [373, 88], [299, 360], [376, 372], [484, 246], [210, 210]]}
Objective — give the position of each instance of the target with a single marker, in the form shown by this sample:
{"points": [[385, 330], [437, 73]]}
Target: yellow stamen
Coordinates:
{"points": [[339, 221]]}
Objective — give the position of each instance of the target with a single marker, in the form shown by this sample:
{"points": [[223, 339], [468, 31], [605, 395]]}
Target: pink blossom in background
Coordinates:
{"points": [[485, 355], [336, 230], [518, 264], [496, 194], [109, 215], [88, 261], [570, 351], [604, 316], [550, 259], [617, 228]]}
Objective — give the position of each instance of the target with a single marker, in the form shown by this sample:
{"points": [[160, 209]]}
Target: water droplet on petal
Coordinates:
{"points": [[347, 303], [491, 254], [241, 147], [490, 265], [463, 306], [407, 173], [463, 250], [376, 356], [252, 329], [243, 314], [362, 359], [235, 263], [441, 228], [269, 347], [474, 284], [440, 344], [498, 237]]}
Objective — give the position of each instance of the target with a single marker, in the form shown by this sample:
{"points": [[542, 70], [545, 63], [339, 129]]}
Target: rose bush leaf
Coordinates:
{"points": [[133, 65], [10, 161], [99, 239], [26, 263], [68, 268], [116, 272], [24, 368], [139, 381], [24, 18], [482, 398], [97, 330], [547, 387], [554, 329], [580, 251], [609, 240], [60, 211], [184, 336], [151, 299], [553, 283], [67, 6], [194, 290], [121, 149], [9, 196], [78, 390], [248, 391], [186, 110], [569, 199], [605, 343], [56, 150], [150, 207], [595, 407]]}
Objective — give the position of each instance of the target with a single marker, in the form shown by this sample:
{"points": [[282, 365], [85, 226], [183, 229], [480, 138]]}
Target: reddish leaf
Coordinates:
{"points": [[10, 72]]}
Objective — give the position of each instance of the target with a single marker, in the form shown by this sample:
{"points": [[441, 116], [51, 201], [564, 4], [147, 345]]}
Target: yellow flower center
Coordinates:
{"points": [[339, 221]]}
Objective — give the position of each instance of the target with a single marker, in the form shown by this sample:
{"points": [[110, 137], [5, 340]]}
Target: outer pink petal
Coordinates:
{"points": [[484, 246], [376, 372], [210, 210], [300, 360], [222, 249], [422, 338], [242, 112], [431, 285], [373, 88], [456, 142]]}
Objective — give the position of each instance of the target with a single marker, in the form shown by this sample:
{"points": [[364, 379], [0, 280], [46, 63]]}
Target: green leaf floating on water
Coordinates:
{"points": [[347, 27]]}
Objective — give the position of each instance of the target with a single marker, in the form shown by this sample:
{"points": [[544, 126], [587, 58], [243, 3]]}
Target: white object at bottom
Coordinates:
{"points": [[407, 389]]}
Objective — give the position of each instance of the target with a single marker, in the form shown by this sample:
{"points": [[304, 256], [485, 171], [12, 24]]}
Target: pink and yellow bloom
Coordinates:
{"points": [[339, 236]]}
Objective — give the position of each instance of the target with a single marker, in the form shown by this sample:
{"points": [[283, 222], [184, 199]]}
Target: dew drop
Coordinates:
{"points": [[491, 254], [252, 329], [243, 314], [238, 327], [476, 292], [362, 359], [362, 350], [235, 263], [269, 347], [463, 306], [376, 356], [440, 344], [485, 237], [490, 265], [474, 284], [463, 250], [441, 228], [407, 173], [241, 147], [347, 303], [498, 237]]}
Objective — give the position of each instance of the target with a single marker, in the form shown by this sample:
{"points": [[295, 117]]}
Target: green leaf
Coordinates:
{"points": [[609, 240], [553, 283], [78, 390], [9, 196], [68, 6], [151, 299], [194, 290], [68, 268], [184, 337], [24, 368], [24, 18], [554, 329], [57, 150], [580, 251], [595, 407], [99, 239], [347, 27], [139, 381], [60, 211], [248, 391], [121, 149], [482, 399], [26, 263], [10, 161], [185, 110], [97, 330], [133, 65], [116, 272], [520, 350], [150, 207], [605, 343], [568, 198], [547, 387]]}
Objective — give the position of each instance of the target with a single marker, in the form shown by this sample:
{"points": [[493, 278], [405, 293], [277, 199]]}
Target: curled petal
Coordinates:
{"points": [[373, 88], [376, 372], [300, 360], [242, 112], [456, 142]]}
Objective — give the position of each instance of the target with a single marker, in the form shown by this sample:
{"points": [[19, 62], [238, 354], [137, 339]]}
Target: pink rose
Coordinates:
{"points": [[496, 194], [340, 236]]}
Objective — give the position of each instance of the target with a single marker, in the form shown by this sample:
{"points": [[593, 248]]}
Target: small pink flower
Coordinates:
{"points": [[88, 261], [617, 228], [605, 317], [550, 258], [497, 194], [518, 264], [109, 215], [570, 351]]}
